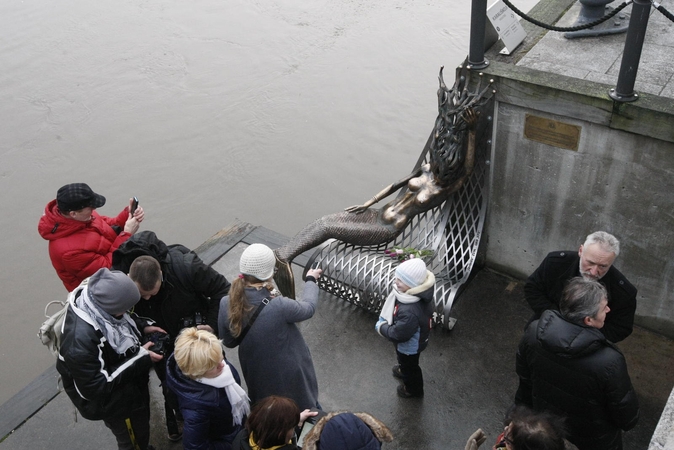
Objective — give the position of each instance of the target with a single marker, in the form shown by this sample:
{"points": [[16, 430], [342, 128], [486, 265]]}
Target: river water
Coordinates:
{"points": [[274, 112]]}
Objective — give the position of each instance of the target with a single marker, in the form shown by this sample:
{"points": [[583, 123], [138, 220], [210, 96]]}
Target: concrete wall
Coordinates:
{"points": [[621, 179]]}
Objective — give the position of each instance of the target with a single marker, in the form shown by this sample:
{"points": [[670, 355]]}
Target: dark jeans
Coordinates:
{"points": [[413, 379], [171, 407], [134, 435]]}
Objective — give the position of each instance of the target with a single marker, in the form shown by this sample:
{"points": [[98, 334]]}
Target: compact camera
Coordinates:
{"points": [[160, 342], [192, 321]]}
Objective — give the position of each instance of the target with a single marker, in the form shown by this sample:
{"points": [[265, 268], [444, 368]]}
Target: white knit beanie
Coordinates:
{"points": [[412, 272], [259, 261]]}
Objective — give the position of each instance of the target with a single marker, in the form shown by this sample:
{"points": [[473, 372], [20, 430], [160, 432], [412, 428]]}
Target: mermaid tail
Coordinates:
{"points": [[284, 278]]}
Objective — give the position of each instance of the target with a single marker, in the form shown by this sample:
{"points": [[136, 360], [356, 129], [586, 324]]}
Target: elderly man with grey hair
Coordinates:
{"points": [[568, 367], [593, 261]]}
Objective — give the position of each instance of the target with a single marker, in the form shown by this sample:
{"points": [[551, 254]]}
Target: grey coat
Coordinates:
{"points": [[274, 358]]}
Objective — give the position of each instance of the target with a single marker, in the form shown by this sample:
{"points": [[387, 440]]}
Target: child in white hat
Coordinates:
{"points": [[406, 320]]}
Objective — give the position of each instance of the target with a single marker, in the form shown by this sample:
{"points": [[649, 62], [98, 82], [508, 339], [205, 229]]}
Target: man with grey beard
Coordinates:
{"points": [[593, 261]]}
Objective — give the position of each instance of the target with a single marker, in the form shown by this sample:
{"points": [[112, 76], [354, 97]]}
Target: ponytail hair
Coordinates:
{"points": [[238, 307]]}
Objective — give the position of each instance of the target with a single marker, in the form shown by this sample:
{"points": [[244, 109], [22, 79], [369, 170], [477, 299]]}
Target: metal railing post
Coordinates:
{"points": [[478, 23], [634, 43]]}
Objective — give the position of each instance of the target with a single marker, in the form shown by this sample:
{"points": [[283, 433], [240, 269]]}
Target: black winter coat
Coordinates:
{"points": [[543, 290], [573, 371], [101, 383], [189, 285]]}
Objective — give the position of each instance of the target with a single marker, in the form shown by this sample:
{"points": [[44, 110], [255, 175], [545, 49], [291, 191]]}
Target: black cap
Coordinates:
{"points": [[76, 196]]}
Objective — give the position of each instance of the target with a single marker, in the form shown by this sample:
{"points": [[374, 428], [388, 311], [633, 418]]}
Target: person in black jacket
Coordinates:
{"points": [[103, 366], [405, 320], [178, 290], [593, 261], [568, 367]]}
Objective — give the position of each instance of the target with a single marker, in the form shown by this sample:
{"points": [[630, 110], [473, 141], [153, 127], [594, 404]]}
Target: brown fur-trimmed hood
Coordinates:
{"points": [[377, 427]]}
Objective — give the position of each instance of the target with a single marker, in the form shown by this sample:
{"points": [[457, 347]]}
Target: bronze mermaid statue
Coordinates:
{"points": [[451, 163]]}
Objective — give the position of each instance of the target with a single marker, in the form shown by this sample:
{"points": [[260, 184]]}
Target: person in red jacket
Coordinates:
{"points": [[80, 240]]}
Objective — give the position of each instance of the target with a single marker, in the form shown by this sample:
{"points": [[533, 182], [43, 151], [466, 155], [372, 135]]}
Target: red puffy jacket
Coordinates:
{"points": [[78, 249]]}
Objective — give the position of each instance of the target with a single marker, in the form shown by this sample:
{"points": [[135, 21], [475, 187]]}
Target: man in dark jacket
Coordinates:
{"points": [[405, 320], [567, 366], [593, 261], [178, 290], [101, 361]]}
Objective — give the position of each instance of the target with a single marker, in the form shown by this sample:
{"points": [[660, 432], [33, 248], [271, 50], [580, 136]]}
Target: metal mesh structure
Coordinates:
{"points": [[363, 275]]}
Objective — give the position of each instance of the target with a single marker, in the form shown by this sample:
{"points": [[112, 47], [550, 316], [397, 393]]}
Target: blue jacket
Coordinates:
{"points": [[206, 410], [411, 326], [347, 432]]}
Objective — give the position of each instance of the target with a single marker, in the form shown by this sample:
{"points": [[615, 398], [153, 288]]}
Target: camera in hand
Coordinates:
{"points": [[194, 320], [160, 342]]}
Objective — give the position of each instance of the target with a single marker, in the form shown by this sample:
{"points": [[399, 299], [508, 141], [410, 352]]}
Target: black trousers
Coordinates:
{"points": [[133, 431], [412, 376]]}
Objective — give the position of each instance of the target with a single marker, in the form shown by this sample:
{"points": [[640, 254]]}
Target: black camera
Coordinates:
{"points": [[194, 320], [160, 342]]}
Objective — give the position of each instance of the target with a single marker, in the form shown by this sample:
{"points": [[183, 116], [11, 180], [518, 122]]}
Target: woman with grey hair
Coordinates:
{"points": [[567, 366], [584, 302]]}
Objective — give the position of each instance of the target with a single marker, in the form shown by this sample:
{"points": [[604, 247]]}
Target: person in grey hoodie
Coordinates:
{"points": [[406, 320]]}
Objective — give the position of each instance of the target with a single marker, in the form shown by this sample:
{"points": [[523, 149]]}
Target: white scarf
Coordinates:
{"points": [[404, 297], [235, 393], [122, 334], [389, 305]]}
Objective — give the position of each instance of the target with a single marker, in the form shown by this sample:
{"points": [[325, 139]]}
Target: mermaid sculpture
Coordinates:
{"points": [[452, 158]]}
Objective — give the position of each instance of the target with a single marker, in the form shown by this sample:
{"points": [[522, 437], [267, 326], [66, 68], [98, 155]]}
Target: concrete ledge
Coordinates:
{"points": [[21, 407], [663, 438], [651, 116]]}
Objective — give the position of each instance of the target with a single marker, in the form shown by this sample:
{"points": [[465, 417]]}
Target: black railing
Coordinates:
{"points": [[634, 43], [624, 90]]}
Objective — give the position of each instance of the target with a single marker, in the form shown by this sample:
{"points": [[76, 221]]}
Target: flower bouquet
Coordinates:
{"points": [[405, 253]]}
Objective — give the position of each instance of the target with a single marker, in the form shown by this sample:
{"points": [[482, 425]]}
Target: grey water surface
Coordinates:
{"points": [[274, 112]]}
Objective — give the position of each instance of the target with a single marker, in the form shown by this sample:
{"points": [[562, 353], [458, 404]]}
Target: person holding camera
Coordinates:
{"points": [[80, 240], [274, 357], [178, 291], [213, 404], [102, 362]]}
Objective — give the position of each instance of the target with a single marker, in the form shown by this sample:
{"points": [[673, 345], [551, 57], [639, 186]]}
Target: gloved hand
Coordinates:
{"points": [[379, 323], [475, 440]]}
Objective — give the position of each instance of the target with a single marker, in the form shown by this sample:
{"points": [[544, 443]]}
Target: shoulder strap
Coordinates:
{"points": [[265, 302]]}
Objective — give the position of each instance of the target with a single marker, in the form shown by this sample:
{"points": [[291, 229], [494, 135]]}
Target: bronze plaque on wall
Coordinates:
{"points": [[551, 132]]}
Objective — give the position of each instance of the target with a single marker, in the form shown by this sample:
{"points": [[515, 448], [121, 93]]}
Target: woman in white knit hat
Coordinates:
{"points": [[274, 357], [405, 320]]}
